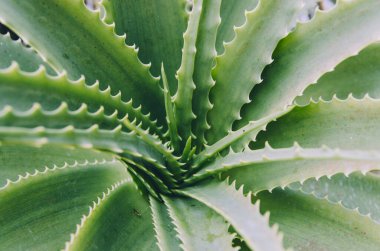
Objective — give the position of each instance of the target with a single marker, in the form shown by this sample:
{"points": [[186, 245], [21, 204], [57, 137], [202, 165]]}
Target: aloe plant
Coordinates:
{"points": [[200, 125]]}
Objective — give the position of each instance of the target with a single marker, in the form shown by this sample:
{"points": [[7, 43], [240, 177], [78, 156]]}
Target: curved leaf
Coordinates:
{"points": [[346, 124], [164, 228], [357, 75], [21, 90], [119, 220], [355, 191], [198, 227], [232, 14], [238, 210], [39, 211], [268, 168], [18, 159], [88, 46], [27, 59], [155, 27], [239, 68], [309, 223], [184, 95], [311, 50], [204, 61]]}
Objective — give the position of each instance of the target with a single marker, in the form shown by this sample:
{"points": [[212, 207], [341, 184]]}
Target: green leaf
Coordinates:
{"points": [[39, 210], [82, 119], [27, 59], [155, 27], [243, 61], [357, 75], [58, 118], [268, 168], [184, 95], [204, 62], [150, 177], [164, 228], [198, 227], [311, 50], [126, 145], [238, 210], [170, 116], [88, 46], [309, 223], [238, 139], [233, 15], [346, 124], [355, 191], [18, 159], [21, 90], [119, 220]]}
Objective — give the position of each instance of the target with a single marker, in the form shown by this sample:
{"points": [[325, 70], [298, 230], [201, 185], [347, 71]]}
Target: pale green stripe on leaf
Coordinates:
{"points": [[18, 159], [350, 124], [239, 68], [164, 228], [238, 139], [358, 75], [311, 50], [88, 46], [22, 89], [183, 98], [309, 223], [83, 119], [27, 59], [268, 168], [198, 226], [120, 220], [232, 15], [239, 211], [124, 144], [58, 118], [155, 27], [39, 211], [170, 116], [114, 141], [355, 191], [204, 62]]}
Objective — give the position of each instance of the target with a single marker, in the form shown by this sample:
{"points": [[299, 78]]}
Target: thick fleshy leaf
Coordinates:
{"points": [[81, 119], [233, 15], [119, 220], [198, 226], [126, 145], [170, 116], [310, 51], [88, 46], [184, 95], [238, 210], [345, 124], [309, 223], [155, 27], [268, 168], [239, 68], [18, 159], [165, 232], [204, 61], [354, 191], [27, 59], [38, 211], [21, 90], [58, 118], [358, 75], [238, 139]]}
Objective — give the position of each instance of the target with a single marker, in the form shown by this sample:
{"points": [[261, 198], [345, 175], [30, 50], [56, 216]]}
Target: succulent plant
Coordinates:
{"points": [[189, 125]]}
